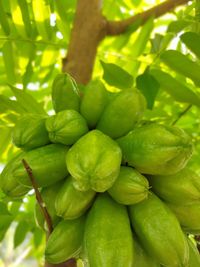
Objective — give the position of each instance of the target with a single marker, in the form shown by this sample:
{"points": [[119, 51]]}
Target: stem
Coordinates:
{"points": [[39, 197], [182, 114], [119, 27]]}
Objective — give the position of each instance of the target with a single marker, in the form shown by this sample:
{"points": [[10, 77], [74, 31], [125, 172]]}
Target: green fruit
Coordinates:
{"points": [[188, 216], [141, 258], [130, 187], [71, 203], [179, 188], [156, 149], [8, 182], [66, 127], [30, 132], [65, 241], [47, 163], [65, 94], [159, 232], [108, 239], [122, 113], [48, 196], [194, 257], [94, 162], [93, 102]]}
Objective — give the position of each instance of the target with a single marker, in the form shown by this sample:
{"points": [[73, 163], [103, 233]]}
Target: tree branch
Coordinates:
{"points": [[120, 27], [39, 197]]}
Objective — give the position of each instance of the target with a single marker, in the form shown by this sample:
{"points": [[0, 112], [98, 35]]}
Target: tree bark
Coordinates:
{"points": [[119, 27], [88, 30]]}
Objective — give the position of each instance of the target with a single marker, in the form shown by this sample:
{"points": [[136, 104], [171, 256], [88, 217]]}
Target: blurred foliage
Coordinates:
{"points": [[34, 36]]}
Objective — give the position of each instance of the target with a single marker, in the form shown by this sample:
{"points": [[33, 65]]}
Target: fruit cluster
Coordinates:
{"points": [[95, 163]]}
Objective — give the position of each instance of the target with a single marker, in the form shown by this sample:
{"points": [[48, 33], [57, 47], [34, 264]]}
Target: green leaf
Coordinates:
{"points": [[116, 76], [147, 84], [20, 233], [4, 20], [140, 43], [9, 61], [17, 17], [176, 89], [38, 235], [5, 221], [192, 41], [6, 105], [27, 101], [4, 209], [41, 12], [182, 64], [5, 139], [26, 17], [178, 25]]}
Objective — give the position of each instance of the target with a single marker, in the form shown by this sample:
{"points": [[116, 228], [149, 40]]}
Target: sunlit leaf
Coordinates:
{"points": [[176, 89], [17, 17], [182, 64], [116, 76], [26, 16], [147, 84], [20, 233], [27, 101], [192, 41], [9, 62]]}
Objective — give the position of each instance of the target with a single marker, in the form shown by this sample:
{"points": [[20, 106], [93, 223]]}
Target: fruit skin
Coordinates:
{"points": [[49, 196], [65, 241], [94, 162], [66, 127], [65, 94], [188, 216], [130, 187], [30, 132], [122, 113], [194, 257], [71, 203], [8, 183], [93, 102], [47, 163], [159, 232], [179, 188], [141, 258], [108, 239], [156, 149]]}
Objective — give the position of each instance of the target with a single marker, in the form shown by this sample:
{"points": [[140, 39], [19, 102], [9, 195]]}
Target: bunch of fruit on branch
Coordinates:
{"points": [[118, 191]]}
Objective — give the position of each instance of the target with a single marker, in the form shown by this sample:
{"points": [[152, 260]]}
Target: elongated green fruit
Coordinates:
{"points": [[141, 258], [65, 94], [8, 182], [49, 196], [159, 232], [93, 102], [48, 165], [156, 149], [71, 203], [108, 239], [179, 188], [194, 257], [65, 241], [30, 132], [66, 127], [94, 162], [122, 113], [130, 187], [188, 216]]}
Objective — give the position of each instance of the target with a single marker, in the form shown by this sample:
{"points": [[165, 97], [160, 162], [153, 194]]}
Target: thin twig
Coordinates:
{"points": [[182, 114], [38, 197]]}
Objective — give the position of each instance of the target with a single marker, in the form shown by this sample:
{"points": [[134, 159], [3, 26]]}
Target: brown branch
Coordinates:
{"points": [[89, 29], [39, 197], [120, 27]]}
